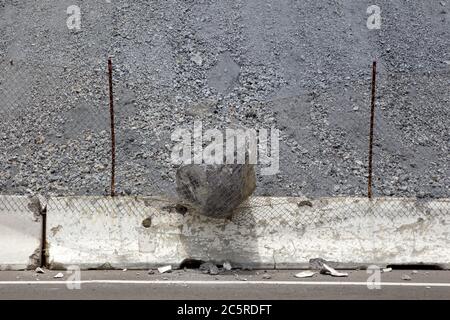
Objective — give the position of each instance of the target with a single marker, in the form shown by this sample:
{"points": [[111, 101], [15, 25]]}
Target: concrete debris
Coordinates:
{"points": [[39, 270], [386, 270], [305, 274], [326, 267], [165, 269], [209, 268], [329, 270], [59, 275], [406, 277], [317, 264], [227, 266]]}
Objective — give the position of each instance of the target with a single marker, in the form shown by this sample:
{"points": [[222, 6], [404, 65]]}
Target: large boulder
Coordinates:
{"points": [[215, 190]]}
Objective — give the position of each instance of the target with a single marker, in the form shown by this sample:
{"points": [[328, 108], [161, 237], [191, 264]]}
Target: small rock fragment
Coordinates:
{"points": [[151, 272], [209, 268], [227, 266], [59, 275], [39, 140], [406, 277], [267, 276], [197, 59]]}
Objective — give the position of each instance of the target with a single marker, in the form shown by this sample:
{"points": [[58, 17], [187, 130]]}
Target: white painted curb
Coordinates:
{"points": [[20, 233], [100, 232]]}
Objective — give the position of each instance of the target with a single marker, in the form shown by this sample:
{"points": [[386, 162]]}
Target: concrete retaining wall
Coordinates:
{"points": [[101, 232], [20, 233]]}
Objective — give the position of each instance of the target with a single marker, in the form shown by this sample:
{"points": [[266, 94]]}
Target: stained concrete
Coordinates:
{"points": [[20, 232], [130, 232]]}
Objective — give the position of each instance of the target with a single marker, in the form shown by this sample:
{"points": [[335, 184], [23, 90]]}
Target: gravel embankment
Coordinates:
{"points": [[300, 66]]}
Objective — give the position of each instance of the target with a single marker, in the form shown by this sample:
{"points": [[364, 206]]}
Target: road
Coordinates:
{"points": [[192, 284]]}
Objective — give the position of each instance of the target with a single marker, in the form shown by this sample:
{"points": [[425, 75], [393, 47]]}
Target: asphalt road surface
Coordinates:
{"points": [[192, 284]]}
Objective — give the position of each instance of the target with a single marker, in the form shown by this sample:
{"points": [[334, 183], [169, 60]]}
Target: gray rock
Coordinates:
{"points": [[209, 268], [227, 266], [215, 190], [406, 277]]}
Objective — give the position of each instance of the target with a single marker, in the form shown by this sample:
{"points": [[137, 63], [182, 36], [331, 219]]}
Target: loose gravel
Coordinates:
{"points": [[303, 67]]}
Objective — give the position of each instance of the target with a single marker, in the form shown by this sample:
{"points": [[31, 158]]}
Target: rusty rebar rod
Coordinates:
{"points": [[113, 135], [372, 120]]}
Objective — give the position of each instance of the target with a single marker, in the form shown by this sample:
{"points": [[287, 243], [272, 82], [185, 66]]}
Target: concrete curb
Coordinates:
{"points": [[21, 226], [132, 232]]}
